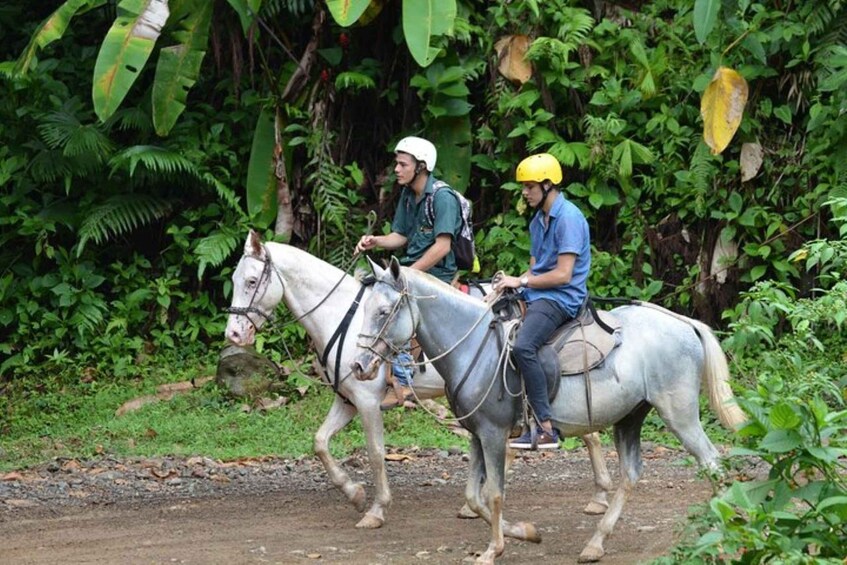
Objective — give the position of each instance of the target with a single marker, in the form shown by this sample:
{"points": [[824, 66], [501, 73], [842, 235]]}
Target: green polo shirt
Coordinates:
{"points": [[410, 220]]}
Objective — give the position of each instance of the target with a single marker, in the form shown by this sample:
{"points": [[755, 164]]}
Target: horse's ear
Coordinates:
{"points": [[253, 245], [394, 268], [375, 268]]}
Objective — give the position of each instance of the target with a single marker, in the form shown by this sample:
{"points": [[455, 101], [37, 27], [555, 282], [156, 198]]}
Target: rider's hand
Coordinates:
{"points": [[365, 243], [507, 281]]}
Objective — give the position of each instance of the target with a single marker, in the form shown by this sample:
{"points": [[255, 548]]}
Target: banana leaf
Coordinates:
{"points": [[125, 51], [261, 181], [247, 10], [179, 65], [423, 19], [452, 136], [53, 28], [347, 12]]}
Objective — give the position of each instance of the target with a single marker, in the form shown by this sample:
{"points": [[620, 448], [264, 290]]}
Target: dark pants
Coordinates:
{"points": [[542, 319]]}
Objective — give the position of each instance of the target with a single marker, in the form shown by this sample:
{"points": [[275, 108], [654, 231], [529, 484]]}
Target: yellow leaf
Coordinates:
{"points": [[722, 108], [511, 52]]}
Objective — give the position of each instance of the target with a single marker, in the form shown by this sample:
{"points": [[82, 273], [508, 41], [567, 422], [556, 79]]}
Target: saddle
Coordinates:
{"points": [[579, 345], [576, 347]]}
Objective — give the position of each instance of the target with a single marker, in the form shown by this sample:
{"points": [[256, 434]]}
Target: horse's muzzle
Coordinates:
{"points": [[364, 367]]}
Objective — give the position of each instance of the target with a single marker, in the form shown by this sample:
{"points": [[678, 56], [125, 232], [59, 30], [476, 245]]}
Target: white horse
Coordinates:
{"points": [[659, 364], [320, 295]]}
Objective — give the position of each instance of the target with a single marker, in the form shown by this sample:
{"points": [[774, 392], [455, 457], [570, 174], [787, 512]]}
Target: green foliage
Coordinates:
{"points": [[798, 514]]}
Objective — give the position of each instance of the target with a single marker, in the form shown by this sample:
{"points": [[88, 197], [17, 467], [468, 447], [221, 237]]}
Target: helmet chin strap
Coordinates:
{"points": [[546, 187], [419, 167]]}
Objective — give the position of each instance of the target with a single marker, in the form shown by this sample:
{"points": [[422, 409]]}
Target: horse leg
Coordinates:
{"points": [[602, 479], [476, 475], [339, 416], [682, 418], [466, 513], [485, 493], [372, 426], [628, 445]]}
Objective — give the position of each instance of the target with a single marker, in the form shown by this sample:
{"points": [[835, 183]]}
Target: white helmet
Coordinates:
{"points": [[420, 149]]}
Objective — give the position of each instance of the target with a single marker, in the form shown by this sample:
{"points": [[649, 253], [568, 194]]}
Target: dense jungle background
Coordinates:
{"points": [[138, 149]]}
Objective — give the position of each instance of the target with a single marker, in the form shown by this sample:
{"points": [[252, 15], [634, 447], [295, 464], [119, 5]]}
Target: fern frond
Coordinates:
{"points": [[226, 194], [214, 249], [120, 214], [88, 317], [575, 25], [822, 14], [154, 158]]}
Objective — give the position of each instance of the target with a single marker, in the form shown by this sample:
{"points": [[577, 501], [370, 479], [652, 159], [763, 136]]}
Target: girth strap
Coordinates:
{"points": [[340, 334], [452, 396]]}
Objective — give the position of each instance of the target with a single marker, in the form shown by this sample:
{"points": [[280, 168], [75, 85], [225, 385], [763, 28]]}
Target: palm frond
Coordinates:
{"points": [[153, 158], [132, 118], [120, 214], [273, 8], [214, 249], [50, 166]]}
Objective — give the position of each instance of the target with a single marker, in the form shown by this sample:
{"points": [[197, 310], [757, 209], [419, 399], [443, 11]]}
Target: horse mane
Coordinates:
{"points": [[301, 257], [435, 285]]}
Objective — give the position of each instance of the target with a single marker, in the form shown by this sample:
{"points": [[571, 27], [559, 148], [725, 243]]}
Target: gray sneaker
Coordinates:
{"points": [[543, 440]]}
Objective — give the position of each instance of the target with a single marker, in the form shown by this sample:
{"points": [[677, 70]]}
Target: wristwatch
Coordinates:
{"points": [[524, 281]]}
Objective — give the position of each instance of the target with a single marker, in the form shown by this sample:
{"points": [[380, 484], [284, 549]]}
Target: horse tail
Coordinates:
{"points": [[716, 375]]}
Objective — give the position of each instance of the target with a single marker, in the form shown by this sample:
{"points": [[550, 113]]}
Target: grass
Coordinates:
{"points": [[63, 417], [77, 420]]}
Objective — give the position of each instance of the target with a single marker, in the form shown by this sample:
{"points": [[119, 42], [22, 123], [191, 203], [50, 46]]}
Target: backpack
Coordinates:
{"points": [[463, 247]]}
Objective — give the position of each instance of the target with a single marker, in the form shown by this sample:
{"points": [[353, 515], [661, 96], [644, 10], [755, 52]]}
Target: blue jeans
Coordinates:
{"points": [[402, 367], [542, 319]]}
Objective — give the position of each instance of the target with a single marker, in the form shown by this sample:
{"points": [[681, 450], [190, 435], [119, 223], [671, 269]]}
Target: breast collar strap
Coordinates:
{"points": [[339, 335]]}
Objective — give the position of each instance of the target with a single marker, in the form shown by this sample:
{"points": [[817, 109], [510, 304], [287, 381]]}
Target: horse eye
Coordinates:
{"points": [[383, 312], [251, 283]]}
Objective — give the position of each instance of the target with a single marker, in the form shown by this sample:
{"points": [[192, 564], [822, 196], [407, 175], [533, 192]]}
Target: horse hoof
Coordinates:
{"points": [[359, 500], [487, 558], [465, 513], [530, 532], [590, 555], [370, 522], [595, 508]]}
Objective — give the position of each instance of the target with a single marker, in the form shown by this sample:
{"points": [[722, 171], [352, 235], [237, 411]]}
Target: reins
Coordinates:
{"points": [[502, 362]]}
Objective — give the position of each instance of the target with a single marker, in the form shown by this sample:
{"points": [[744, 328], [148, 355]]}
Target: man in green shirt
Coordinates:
{"points": [[427, 236]]}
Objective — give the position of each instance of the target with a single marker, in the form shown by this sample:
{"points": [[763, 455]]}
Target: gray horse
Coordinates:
{"points": [[320, 295], [660, 364]]}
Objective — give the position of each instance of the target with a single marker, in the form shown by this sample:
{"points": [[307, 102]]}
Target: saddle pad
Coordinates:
{"points": [[574, 352]]}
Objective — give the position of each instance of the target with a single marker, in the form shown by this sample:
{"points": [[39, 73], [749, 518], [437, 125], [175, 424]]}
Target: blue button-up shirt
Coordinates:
{"points": [[566, 232]]}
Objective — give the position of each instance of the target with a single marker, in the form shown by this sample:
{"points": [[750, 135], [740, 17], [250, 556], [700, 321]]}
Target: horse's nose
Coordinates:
{"points": [[234, 336], [238, 336], [360, 372]]}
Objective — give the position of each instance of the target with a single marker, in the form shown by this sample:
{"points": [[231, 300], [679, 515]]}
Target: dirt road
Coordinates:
{"points": [[198, 511]]}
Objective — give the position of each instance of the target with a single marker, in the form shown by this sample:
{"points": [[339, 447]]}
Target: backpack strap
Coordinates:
{"points": [[429, 207]]}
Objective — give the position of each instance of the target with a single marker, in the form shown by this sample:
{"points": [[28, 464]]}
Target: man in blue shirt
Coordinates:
{"points": [[554, 287]]}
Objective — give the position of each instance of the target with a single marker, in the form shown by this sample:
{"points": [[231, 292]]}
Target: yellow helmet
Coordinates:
{"points": [[538, 168]]}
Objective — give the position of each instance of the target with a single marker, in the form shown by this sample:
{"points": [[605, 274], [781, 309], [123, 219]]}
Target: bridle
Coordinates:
{"points": [[394, 350], [263, 283], [406, 297]]}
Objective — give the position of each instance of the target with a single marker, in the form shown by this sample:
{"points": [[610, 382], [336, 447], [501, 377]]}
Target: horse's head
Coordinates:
{"points": [[391, 317], [256, 291]]}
